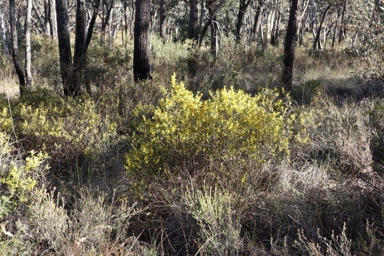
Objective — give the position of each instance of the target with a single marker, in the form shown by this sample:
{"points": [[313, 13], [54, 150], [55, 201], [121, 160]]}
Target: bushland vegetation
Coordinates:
{"points": [[210, 157]]}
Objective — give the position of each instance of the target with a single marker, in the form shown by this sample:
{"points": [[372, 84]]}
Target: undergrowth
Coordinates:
{"points": [[230, 167]]}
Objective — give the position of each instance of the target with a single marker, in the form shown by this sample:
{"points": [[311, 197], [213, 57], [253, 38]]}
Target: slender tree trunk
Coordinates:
{"points": [[3, 33], [64, 46], [268, 32], [276, 31], [105, 20], [87, 42], [78, 57], [15, 47], [212, 10], [258, 17], [28, 57], [47, 13], [240, 19], [162, 18], [343, 28], [141, 67], [53, 19], [317, 39], [193, 24], [290, 45], [336, 27]]}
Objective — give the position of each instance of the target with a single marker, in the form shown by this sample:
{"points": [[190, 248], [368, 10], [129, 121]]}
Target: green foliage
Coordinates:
{"points": [[65, 129], [18, 177], [231, 129], [45, 59], [103, 64]]}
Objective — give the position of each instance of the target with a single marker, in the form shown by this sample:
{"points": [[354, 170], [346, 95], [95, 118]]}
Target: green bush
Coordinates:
{"points": [[230, 130], [18, 177], [65, 129]]}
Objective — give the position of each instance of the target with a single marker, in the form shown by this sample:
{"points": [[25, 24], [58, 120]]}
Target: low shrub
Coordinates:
{"points": [[68, 130], [18, 177], [230, 130]]}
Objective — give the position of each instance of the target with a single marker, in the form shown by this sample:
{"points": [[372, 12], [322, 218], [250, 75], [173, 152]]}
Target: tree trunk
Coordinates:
{"points": [[317, 39], [240, 19], [47, 12], [28, 57], [193, 24], [212, 10], [343, 28], [105, 20], [88, 37], [64, 46], [3, 33], [141, 67], [290, 45], [276, 31], [52, 18], [258, 17], [162, 18], [15, 47], [78, 57], [336, 27]]}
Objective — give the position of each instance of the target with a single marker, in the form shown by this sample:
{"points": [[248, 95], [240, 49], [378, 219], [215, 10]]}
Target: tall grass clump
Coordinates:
{"points": [[218, 220]]}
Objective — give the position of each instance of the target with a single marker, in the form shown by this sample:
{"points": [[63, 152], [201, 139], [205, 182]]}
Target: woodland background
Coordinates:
{"points": [[217, 127]]}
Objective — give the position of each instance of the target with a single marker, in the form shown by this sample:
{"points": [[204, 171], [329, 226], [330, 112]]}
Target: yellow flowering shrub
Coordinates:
{"points": [[5, 120], [190, 134], [17, 177], [65, 128]]}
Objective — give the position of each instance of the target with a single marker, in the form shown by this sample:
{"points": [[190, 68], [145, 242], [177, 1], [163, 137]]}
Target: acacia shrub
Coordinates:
{"points": [[231, 135], [69, 130]]}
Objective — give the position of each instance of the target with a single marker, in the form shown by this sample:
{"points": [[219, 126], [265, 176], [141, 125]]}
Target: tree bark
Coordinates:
{"points": [[212, 10], [317, 39], [105, 20], [52, 18], [64, 46], [276, 31], [193, 24], [15, 47], [141, 67], [336, 27], [240, 19], [290, 45], [78, 57], [3, 33], [47, 13], [162, 27], [28, 56], [343, 28], [258, 17]]}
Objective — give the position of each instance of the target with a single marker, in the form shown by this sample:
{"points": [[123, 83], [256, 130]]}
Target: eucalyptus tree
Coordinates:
{"points": [[243, 6], [71, 73], [15, 46], [193, 24], [256, 30], [28, 56], [141, 66], [290, 43], [4, 38]]}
